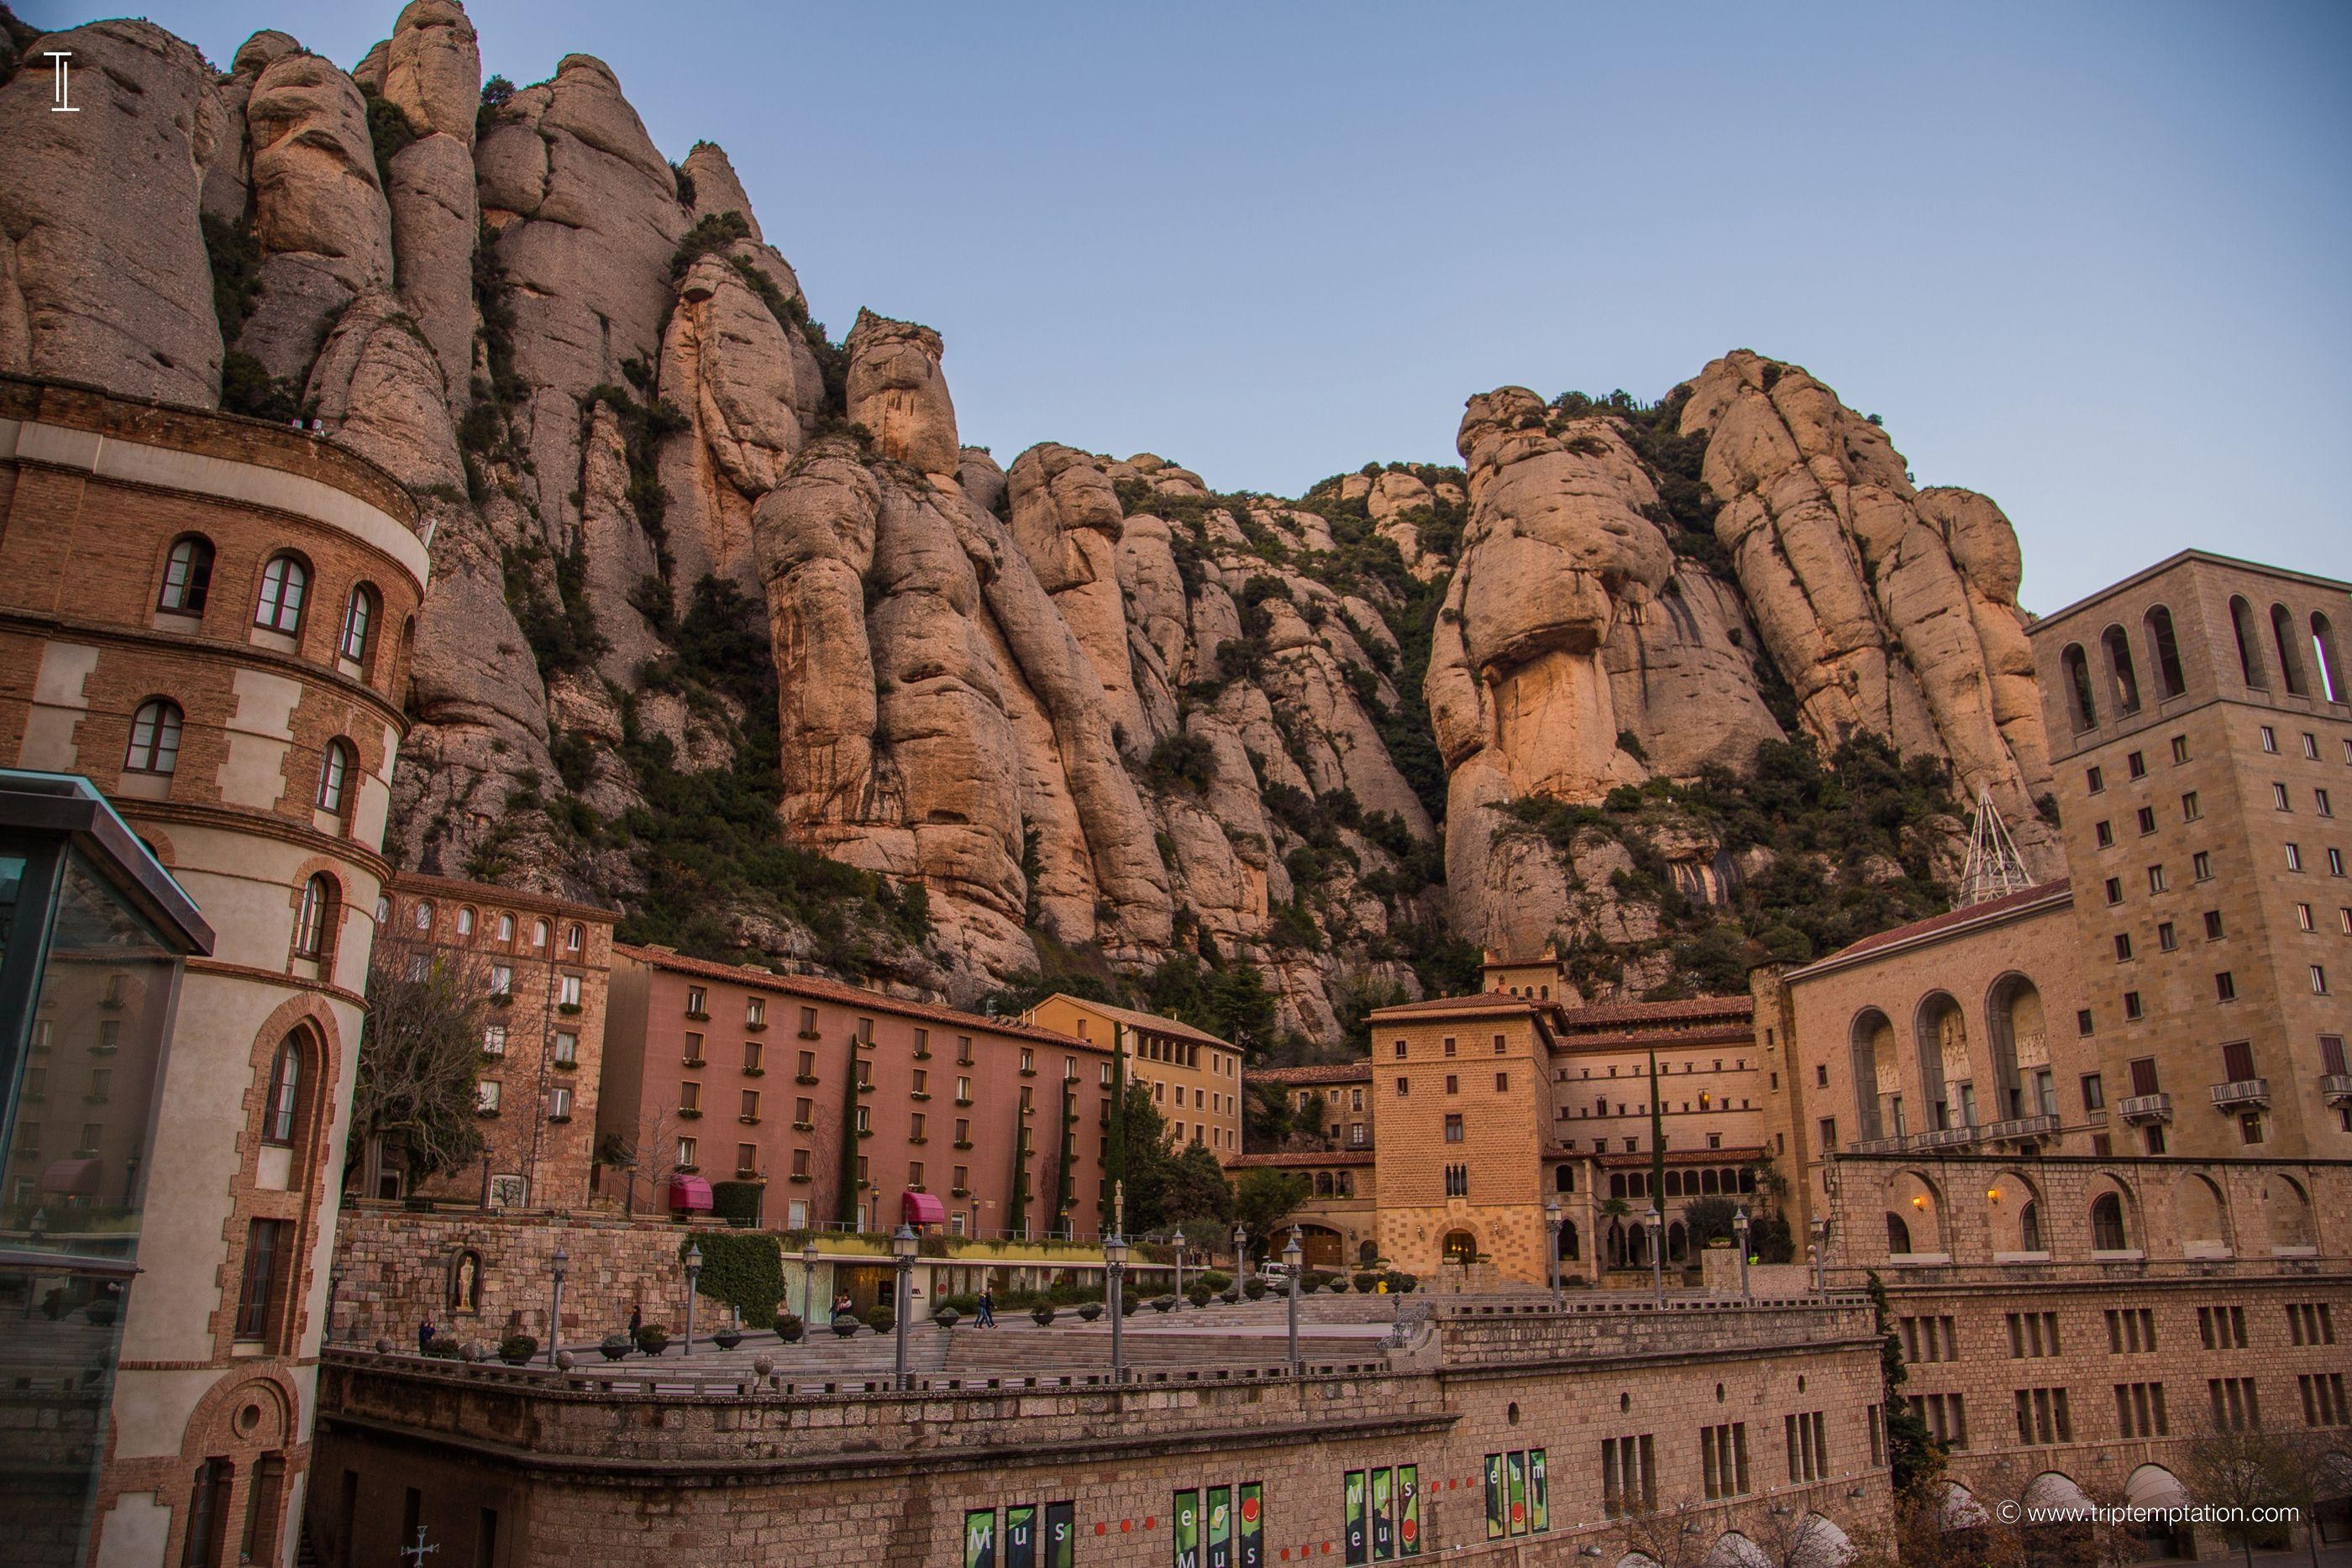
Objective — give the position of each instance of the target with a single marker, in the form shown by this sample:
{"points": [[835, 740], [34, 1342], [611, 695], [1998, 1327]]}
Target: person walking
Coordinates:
{"points": [[425, 1334], [636, 1322], [987, 1305]]}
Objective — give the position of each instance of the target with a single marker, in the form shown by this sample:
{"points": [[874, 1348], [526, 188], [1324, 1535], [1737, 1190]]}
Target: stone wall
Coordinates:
{"points": [[584, 1477], [399, 1266]]}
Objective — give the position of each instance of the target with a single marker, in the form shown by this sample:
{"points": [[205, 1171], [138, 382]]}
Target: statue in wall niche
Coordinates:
{"points": [[466, 1283]]}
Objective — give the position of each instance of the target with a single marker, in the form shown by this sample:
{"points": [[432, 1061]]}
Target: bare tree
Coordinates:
{"points": [[2243, 1469], [1674, 1536], [420, 1059], [648, 1155]]}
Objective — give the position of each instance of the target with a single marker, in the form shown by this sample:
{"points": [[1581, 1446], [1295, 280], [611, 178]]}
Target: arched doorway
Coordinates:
{"points": [[1322, 1247], [1460, 1247], [1877, 1078]]}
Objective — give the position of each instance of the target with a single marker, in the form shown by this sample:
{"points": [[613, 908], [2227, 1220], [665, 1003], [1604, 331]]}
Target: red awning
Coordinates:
{"points": [[690, 1192], [76, 1178], [921, 1209]]}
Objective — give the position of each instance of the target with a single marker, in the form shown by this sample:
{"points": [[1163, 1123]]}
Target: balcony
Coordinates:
{"points": [[2242, 1092], [2146, 1108], [1946, 1137], [2023, 1129], [2336, 1088]]}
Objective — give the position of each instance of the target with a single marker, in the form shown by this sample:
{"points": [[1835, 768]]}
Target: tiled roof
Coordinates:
{"points": [[1956, 918], [414, 883], [820, 990], [1325, 1072], [1150, 1023], [1739, 1033], [1478, 1002], [1658, 1012], [1301, 1159]]}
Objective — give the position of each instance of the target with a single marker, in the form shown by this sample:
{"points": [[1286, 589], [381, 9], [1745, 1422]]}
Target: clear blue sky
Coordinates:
{"points": [[2091, 260]]}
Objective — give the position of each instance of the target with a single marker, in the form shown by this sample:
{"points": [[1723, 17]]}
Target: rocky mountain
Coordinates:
{"points": [[728, 628]]}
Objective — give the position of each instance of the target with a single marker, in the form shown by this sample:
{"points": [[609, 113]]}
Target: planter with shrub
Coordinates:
{"points": [[789, 1327], [1090, 1310], [1163, 1303], [1365, 1282], [1335, 1283], [945, 1316], [845, 1323], [1043, 1313], [444, 1347], [1400, 1282], [516, 1349], [615, 1346], [727, 1338], [1253, 1288], [1217, 1282], [1199, 1293], [653, 1339], [1128, 1304], [882, 1319]]}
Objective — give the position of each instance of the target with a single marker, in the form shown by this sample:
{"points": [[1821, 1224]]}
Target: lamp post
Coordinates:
{"points": [[903, 1246], [1292, 1255], [1178, 1239], [808, 1286], [1551, 1247], [1115, 1271], [555, 1309], [1657, 1255], [1241, 1253], [693, 1274], [1739, 1239], [1820, 1250]]}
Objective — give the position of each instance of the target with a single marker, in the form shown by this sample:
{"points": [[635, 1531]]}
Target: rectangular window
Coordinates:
{"points": [[1503, 1081], [2131, 1331], [2147, 818], [1946, 1416], [753, 1056], [697, 1002], [2082, 1024], [567, 1049], [751, 1112], [1453, 1084], [2114, 890], [2135, 764], [2279, 801], [685, 1153], [1723, 1459], [1449, 1045], [2323, 1400], [2295, 857], [2104, 832], [494, 1040], [1806, 1433], [2213, 932], [2311, 1322], [1629, 1475], [689, 1096], [2235, 1406], [693, 1049], [2189, 811], [803, 1113], [2201, 866], [2335, 863], [2156, 881], [2132, 1009], [2179, 748], [2221, 1328], [2322, 804], [2318, 979], [2225, 987], [2094, 780], [2032, 1335], [1829, 1133], [485, 1096], [2095, 1091], [1457, 1181], [265, 1260], [2270, 739], [807, 1074], [502, 980], [2139, 1410], [559, 1104], [2123, 947], [2167, 939], [1404, 1087], [1452, 1129]]}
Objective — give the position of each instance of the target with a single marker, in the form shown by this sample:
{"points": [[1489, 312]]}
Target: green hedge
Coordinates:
{"points": [[737, 1202], [743, 1269]]}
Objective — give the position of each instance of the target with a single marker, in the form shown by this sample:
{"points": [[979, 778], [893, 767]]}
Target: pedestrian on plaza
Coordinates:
{"points": [[987, 1305], [637, 1322], [425, 1334]]}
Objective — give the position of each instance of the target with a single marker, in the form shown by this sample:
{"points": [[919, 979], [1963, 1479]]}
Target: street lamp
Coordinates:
{"points": [[1657, 1254], [1292, 1255], [1241, 1253], [1551, 1247], [903, 1246], [1114, 1269], [693, 1273], [1739, 1239], [555, 1311], [1179, 1240], [808, 1285]]}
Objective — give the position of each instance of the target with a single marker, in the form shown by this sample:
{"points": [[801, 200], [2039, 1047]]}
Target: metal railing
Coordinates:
{"points": [[2144, 1107], [2242, 1092]]}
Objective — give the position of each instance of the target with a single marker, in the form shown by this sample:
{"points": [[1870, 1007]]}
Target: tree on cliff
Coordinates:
{"points": [[416, 1098]]}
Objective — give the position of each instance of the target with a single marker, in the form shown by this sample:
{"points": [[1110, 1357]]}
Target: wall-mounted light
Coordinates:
{"points": [[1918, 1202], [1993, 1194]]}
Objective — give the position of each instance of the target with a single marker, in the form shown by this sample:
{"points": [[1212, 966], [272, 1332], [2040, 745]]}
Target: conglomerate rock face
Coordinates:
{"points": [[715, 595]]}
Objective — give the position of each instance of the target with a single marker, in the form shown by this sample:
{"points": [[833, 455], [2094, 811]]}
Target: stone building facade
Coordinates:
{"points": [[2201, 723], [1194, 1077], [545, 964], [591, 1469], [211, 618], [841, 1100]]}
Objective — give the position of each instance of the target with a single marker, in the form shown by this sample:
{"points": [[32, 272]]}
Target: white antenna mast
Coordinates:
{"points": [[1994, 869]]}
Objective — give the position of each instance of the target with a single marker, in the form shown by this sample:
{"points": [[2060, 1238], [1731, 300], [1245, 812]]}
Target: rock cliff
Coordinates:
{"points": [[728, 627]]}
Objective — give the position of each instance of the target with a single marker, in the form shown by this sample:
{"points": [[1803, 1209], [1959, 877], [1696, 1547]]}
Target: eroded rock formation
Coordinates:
{"points": [[711, 590]]}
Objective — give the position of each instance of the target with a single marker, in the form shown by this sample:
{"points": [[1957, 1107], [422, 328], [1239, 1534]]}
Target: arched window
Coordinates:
{"points": [[1677, 1242], [2123, 681], [382, 912], [2164, 648], [466, 922], [2108, 1233], [1322, 1183], [335, 775], [187, 575], [1461, 1247], [1570, 1248], [2250, 647], [2323, 655], [506, 927], [285, 1093], [314, 926], [359, 626], [1563, 1178], [285, 581], [2081, 707], [539, 933], [2290, 657], [1673, 1184], [1899, 1236], [154, 737], [573, 939], [423, 915], [2029, 1228]]}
